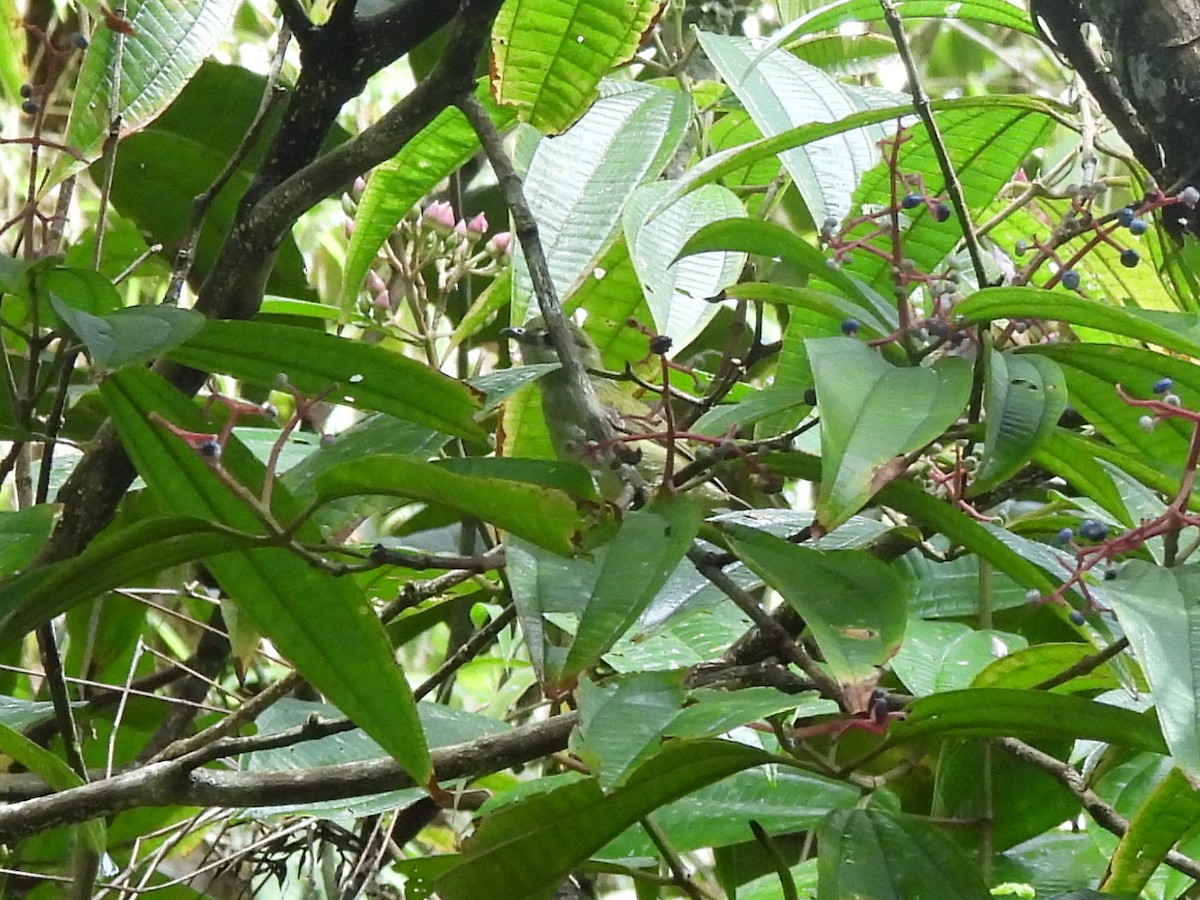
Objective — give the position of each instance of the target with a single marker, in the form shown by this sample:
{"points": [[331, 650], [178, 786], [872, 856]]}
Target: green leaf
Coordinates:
{"points": [[991, 12], [55, 773], [530, 846], [677, 291], [945, 656], [711, 713], [1157, 611], [1171, 330], [621, 721], [648, 546], [321, 623], [886, 856], [989, 712], [1023, 398], [115, 559], [544, 516], [132, 335], [1030, 666], [365, 376], [578, 184], [549, 57], [173, 37], [1171, 810], [871, 413], [854, 604], [1074, 459], [395, 186], [780, 92], [22, 533]]}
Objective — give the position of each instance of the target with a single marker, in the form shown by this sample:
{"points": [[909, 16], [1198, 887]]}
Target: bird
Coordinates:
{"points": [[625, 415]]}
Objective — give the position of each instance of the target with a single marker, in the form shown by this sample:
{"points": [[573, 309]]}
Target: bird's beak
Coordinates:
{"points": [[520, 335]]}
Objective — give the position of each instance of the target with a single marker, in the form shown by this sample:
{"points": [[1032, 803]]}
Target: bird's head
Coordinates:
{"points": [[536, 346]]}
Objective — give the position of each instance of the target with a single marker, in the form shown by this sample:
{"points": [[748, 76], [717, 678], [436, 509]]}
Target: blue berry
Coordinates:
{"points": [[79, 41], [1093, 530], [1070, 280], [1163, 385], [1064, 535], [1138, 226], [910, 201], [1125, 216], [941, 212], [850, 327], [1021, 248], [1076, 617], [1129, 257]]}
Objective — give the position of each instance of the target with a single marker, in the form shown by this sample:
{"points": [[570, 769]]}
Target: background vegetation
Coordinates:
{"points": [[863, 565]]}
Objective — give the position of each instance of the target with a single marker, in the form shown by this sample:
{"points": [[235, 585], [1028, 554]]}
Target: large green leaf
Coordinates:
{"points": [[886, 856], [1171, 330], [442, 146], [530, 846], [854, 605], [647, 548], [173, 37], [944, 656], [545, 516], [989, 712], [677, 291], [122, 557], [548, 56], [579, 182], [991, 12], [622, 720], [22, 533], [132, 335], [1171, 810], [871, 413], [321, 623], [1157, 611], [1023, 398], [365, 376], [780, 92]]}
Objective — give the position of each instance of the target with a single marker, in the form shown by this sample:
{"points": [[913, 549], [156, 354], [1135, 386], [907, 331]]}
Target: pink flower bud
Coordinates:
{"points": [[440, 214], [360, 185], [500, 244], [375, 284], [477, 224], [382, 300]]}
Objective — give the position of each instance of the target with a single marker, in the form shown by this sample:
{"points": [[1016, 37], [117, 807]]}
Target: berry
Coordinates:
{"points": [[941, 212], [910, 201], [1146, 423], [1138, 227], [1076, 617], [1033, 595], [1125, 216], [1172, 400], [810, 397], [1129, 257], [1163, 385], [1064, 536], [1093, 530], [26, 90], [209, 449], [660, 344], [850, 327], [1021, 248], [1189, 197], [29, 107], [79, 41], [1070, 280]]}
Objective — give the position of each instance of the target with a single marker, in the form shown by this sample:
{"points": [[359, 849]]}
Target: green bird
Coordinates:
{"points": [[625, 416]]}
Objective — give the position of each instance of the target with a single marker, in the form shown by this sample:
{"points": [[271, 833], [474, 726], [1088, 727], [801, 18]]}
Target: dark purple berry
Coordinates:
{"points": [[79, 41], [1138, 227], [941, 212], [1163, 385], [850, 327], [1076, 617], [810, 397], [1070, 280], [1125, 216], [26, 90], [30, 107], [1064, 535], [209, 449], [660, 344], [910, 201], [1129, 257], [1093, 530]]}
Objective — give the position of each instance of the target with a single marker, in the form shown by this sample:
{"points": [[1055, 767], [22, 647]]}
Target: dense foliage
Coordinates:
{"points": [[590, 448]]}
